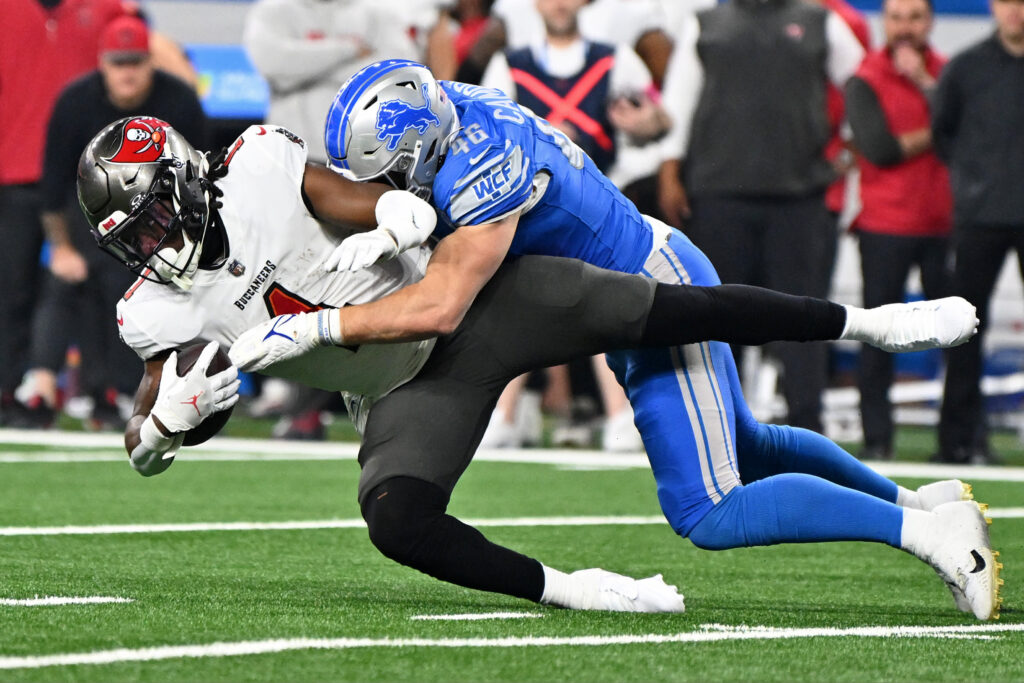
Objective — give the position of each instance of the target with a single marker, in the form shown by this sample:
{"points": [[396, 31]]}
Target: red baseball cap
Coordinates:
{"points": [[125, 39]]}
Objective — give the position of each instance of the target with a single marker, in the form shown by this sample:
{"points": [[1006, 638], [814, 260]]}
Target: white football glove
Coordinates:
{"points": [[405, 221], [362, 250], [281, 338], [155, 452], [183, 402]]}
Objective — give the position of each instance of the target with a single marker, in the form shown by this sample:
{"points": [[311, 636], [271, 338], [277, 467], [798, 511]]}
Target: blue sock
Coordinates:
{"points": [[797, 508], [778, 449]]}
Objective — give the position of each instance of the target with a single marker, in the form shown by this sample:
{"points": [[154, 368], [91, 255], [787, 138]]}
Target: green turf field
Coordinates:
{"points": [[316, 602]]}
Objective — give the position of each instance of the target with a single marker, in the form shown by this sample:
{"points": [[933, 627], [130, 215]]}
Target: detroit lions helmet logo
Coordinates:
{"points": [[142, 140], [397, 116]]}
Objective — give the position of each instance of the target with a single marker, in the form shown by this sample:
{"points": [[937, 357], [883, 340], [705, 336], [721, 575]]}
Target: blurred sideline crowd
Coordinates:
{"points": [[761, 128]]}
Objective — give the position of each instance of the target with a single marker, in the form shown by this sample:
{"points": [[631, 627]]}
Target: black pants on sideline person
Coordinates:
{"points": [[886, 261], [980, 253], [84, 313], [21, 237], [781, 243]]}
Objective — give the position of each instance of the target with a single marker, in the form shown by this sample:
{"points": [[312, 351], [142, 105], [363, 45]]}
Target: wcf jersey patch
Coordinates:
{"points": [[497, 180]]}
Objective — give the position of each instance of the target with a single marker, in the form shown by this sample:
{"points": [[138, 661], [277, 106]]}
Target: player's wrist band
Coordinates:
{"points": [[151, 438], [328, 327]]}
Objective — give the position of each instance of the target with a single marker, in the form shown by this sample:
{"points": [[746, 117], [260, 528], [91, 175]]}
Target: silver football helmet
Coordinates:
{"points": [[393, 120], [144, 191]]}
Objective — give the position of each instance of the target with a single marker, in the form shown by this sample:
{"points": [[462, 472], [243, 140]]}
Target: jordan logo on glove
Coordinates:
{"points": [[194, 402]]}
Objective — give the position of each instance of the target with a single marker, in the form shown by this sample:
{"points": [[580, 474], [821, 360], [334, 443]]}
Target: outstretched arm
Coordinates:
{"points": [[461, 265]]}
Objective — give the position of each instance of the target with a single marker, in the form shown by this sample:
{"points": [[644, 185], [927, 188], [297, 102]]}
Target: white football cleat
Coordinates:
{"points": [[920, 325], [937, 493], [960, 552], [929, 497], [618, 593]]}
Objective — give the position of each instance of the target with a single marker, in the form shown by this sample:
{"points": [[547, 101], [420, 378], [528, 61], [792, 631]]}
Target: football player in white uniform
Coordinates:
{"points": [[250, 240]]}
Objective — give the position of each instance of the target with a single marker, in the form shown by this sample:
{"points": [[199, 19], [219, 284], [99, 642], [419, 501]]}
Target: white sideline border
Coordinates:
{"points": [[706, 633], [254, 450]]}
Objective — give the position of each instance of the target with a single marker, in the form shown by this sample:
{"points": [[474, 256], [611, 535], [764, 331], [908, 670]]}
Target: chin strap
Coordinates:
{"points": [[177, 265], [183, 282]]}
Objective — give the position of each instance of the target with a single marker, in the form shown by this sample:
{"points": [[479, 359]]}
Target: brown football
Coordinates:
{"points": [[187, 357]]}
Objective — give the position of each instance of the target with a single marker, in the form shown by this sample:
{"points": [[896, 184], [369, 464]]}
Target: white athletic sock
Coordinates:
{"points": [[564, 590], [915, 535], [865, 325], [906, 498]]}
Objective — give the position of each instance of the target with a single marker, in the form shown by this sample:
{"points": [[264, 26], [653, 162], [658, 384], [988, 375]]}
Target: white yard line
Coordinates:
{"points": [[706, 634], [306, 525], [476, 617], [1006, 513], [104, 529], [53, 600]]}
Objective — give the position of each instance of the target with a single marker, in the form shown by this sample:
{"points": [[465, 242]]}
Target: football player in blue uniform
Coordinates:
{"points": [[506, 183]]}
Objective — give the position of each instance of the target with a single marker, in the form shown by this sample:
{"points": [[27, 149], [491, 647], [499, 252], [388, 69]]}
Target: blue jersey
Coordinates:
{"points": [[506, 159]]}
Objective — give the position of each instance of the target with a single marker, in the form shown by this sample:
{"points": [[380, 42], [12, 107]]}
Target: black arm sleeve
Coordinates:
{"points": [[738, 314], [871, 133]]}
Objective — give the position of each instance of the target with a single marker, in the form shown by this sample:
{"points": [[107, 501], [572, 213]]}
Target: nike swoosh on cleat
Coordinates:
{"points": [[979, 562]]}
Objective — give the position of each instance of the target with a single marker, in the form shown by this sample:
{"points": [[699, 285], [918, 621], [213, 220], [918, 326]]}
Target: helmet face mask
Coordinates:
{"points": [[153, 238], [144, 191], [399, 173], [391, 120]]}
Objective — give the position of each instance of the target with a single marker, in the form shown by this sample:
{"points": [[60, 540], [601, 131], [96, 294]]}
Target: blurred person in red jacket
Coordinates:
{"points": [[906, 203], [46, 44]]}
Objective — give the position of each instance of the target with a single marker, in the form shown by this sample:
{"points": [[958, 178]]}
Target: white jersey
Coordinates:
{"points": [[275, 265]]}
